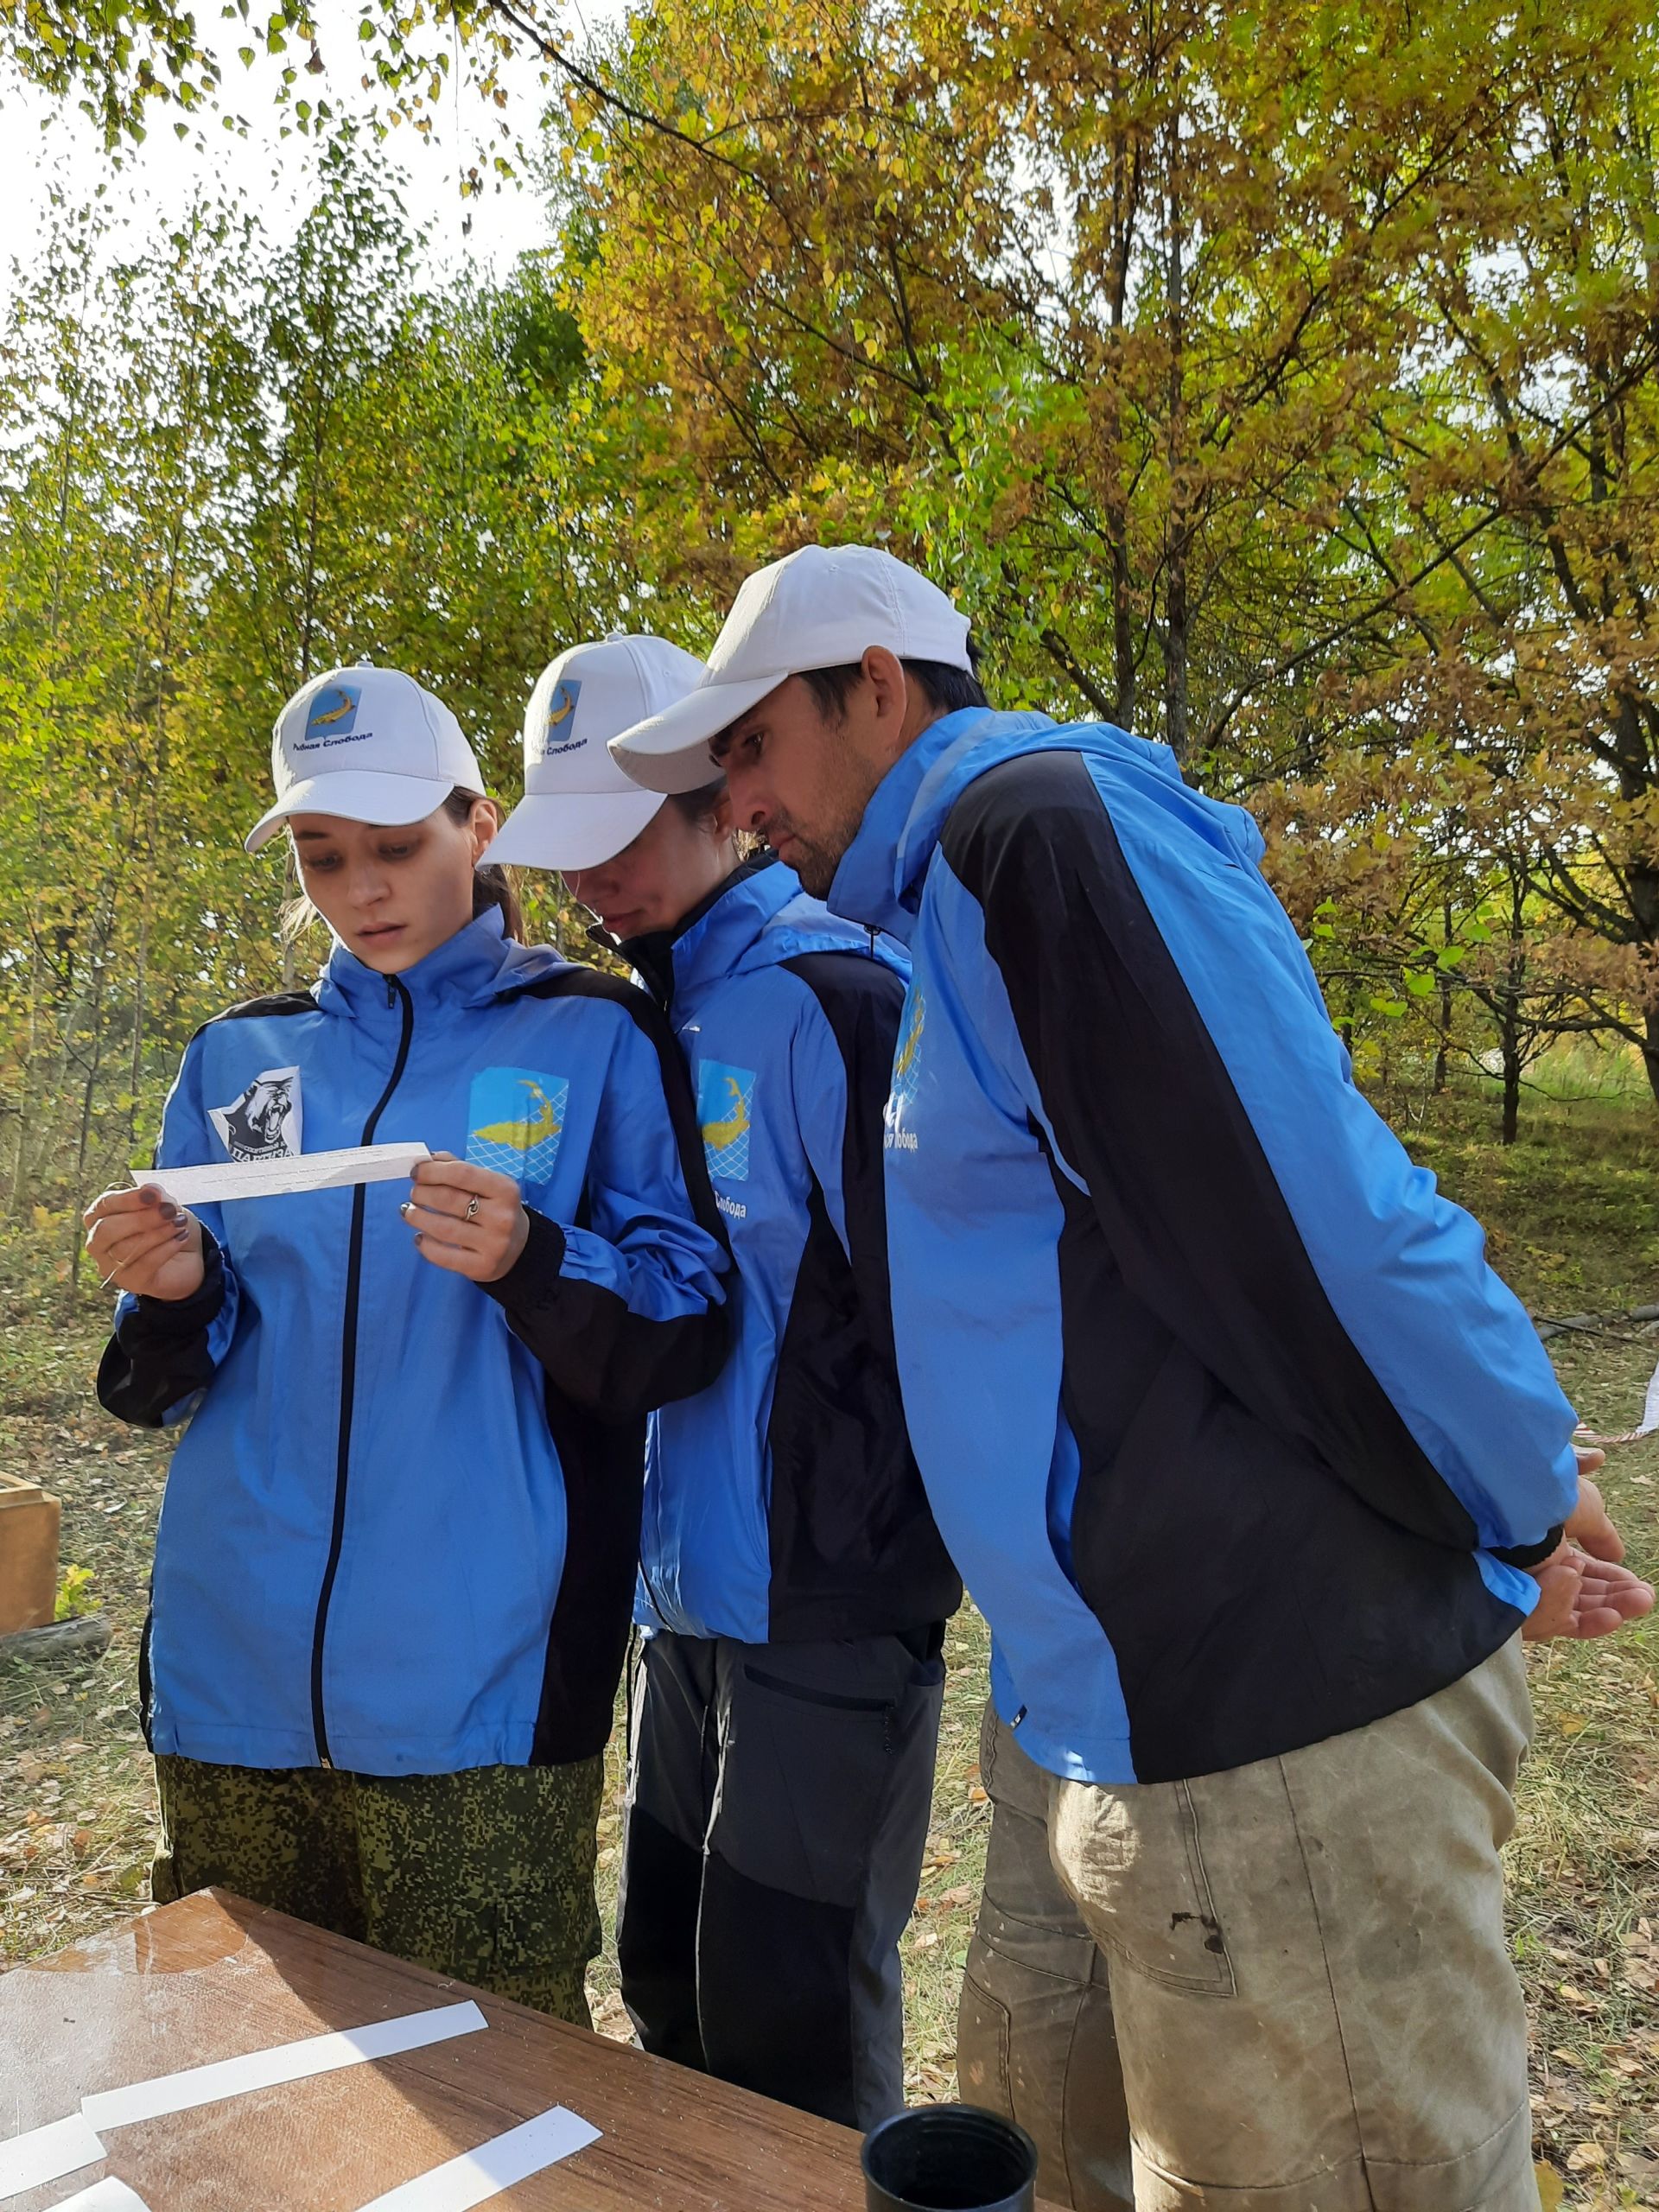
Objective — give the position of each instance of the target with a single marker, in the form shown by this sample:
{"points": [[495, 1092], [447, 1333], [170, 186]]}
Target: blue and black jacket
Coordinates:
{"points": [[400, 1534], [783, 1504], [1236, 1438]]}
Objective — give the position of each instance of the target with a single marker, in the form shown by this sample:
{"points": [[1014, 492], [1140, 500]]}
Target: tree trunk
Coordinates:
{"points": [[1443, 1048], [1643, 878], [83, 1135], [1177, 618], [1511, 1090], [140, 979]]}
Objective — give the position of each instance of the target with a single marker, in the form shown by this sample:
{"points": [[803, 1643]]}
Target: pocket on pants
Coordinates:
{"points": [[984, 2031], [1134, 1859], [803, 1776]]}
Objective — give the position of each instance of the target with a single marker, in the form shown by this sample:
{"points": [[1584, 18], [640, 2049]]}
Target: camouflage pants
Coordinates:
{"points": [[487, 1875]]}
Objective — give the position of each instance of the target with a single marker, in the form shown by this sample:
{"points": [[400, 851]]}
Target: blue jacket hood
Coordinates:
{"points": [[878, 881], [479, 964], [761, 919]]}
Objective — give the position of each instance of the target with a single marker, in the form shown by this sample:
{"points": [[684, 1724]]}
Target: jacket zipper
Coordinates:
{"points": [[395, 991]]}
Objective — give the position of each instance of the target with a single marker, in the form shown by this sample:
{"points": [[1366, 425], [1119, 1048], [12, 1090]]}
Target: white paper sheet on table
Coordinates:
{"points": [[461, 2182], [45, 2154], [283, 2062], [107, 2196], [278, 1178]]}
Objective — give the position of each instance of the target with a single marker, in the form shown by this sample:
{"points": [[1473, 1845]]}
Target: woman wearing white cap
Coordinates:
{"points": [[793, 1588], [398, 1537]]}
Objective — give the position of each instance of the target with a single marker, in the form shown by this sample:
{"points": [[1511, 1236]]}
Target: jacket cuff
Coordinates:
{"points": [[1528, 1555], [173, 1320], [533, 1281]]}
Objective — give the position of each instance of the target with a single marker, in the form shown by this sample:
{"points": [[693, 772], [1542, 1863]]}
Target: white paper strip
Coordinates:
{"points": [[460, 2182], [278, 1178], [107, 2196], [1649, 1424], [44, 2153], [283, 2061]]}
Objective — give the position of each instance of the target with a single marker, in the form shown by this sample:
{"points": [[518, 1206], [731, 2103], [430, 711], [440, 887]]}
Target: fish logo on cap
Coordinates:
{"points": [[333, 713], [558, 733]]}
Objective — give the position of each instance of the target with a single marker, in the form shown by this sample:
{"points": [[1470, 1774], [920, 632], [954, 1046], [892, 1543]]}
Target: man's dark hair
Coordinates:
{"points": [[946, 688]]}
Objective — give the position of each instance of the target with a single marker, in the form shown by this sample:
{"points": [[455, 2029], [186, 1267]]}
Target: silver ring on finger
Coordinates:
{"points": [[472, 1207]]}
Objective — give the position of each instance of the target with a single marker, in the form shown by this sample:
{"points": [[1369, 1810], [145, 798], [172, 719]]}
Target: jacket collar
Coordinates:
{"points": [[879, 880], [705, 944], [881, 873], [475, 965]]}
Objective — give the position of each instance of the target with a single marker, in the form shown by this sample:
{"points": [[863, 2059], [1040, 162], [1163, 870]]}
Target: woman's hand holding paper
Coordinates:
{"points": [[141, 1242], [468, 1219]]}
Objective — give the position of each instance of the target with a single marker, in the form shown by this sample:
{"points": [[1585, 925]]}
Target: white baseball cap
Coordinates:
{"points": [[822, 607], [366, 743], [578, 808]]}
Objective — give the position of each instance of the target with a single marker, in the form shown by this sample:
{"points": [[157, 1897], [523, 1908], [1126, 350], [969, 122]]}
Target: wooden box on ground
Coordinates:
{"points": [[29, 1555]]}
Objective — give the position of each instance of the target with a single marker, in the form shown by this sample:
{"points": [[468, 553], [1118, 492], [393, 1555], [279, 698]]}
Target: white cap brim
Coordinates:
{"points": [[357, 795], [670, 753], [567, 830]]}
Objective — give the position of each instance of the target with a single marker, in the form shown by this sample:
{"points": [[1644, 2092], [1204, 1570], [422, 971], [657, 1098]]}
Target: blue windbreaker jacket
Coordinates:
{"points": [[399, 1533], [783, 1503], [1237, 1441]]}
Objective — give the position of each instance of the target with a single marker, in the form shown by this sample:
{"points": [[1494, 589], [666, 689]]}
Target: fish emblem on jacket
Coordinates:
{"points": [[725, 1116], [906, 1073], [719, 1134], [524, 1135], [517, 1117]]}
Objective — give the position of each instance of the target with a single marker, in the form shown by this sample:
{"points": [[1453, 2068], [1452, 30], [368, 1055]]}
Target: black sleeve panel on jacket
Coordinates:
{"points": [[1145, 1111], [854, 1549], [604, 1465], [863, 1002], [1228, 1433], [158, 1355], [617, 1363]]}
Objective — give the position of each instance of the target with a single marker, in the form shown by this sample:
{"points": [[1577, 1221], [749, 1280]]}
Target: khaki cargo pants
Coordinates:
{"points": [[1283, 1988]]}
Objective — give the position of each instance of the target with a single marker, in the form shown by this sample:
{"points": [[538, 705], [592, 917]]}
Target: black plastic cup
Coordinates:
{"points": [[948, 2158]]}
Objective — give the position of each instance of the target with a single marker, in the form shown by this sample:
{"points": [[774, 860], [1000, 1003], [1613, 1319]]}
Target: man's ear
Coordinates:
{"points": [[885, 674], [889, 692]]}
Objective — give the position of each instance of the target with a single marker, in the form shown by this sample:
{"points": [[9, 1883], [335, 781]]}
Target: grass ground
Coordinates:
{"points": [[1573, 1216]]}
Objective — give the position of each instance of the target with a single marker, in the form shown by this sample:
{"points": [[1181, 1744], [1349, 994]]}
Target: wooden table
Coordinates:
{"points": [[214, 1976]]}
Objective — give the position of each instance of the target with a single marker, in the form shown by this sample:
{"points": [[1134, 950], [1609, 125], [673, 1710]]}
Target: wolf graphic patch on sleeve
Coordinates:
{"points": [[265, 1122], [725, 1096], [514, 1120]]}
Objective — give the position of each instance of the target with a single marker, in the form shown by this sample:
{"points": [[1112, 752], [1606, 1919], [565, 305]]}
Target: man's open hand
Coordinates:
{"points": [[1584, 1590]]}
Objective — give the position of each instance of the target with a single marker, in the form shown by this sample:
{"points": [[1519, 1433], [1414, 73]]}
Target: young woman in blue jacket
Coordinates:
{"points": [[398, 1544], [793, 1589]]}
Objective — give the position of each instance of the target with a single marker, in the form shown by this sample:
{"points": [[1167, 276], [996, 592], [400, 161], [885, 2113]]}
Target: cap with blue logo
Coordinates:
{"points": [[368, 744], [579, 808], [820, 606]]}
